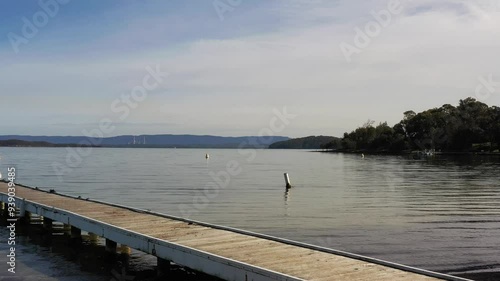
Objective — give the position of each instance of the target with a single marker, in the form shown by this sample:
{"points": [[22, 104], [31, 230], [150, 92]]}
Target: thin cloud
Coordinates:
{"points": [[228, 81]]}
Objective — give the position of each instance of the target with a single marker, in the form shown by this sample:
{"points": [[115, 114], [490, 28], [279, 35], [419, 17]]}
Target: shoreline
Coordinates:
{"points": [[444, 153]]}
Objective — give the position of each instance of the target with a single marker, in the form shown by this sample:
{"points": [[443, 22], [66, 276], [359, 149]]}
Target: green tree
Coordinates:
{"points": [[447, 128]]}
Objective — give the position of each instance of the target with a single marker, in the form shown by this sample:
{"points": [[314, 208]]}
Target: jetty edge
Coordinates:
{"points": [[224, 252]]}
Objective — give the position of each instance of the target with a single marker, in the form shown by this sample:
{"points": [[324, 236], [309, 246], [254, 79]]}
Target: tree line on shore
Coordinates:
{"points": [[470, 126]]}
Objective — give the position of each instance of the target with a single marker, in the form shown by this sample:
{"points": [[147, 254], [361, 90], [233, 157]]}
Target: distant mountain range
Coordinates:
{"points": [[22, 143], [180, 141]]}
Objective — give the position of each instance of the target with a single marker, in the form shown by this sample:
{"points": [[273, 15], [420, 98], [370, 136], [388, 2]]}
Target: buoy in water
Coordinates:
{"points": [[207, 156]]}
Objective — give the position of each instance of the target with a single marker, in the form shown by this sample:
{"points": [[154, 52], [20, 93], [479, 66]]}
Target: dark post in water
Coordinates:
{"points": [[287, 181]]}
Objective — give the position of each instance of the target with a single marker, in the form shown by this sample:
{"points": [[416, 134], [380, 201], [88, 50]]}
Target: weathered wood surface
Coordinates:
{"points": [[292, 260]]}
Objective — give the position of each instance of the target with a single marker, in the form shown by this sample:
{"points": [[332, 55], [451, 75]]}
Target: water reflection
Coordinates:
{"points": [[287, 198], [440, 213]]}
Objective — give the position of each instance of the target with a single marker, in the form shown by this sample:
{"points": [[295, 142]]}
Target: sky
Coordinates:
{"points": [[227, 66]]}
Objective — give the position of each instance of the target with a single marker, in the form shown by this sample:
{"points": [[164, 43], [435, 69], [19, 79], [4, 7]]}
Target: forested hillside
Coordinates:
{"points": [[470, 126]]}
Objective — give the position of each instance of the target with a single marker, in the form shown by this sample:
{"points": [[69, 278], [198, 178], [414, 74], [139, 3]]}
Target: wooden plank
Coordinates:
{"points": [[303, 263]]}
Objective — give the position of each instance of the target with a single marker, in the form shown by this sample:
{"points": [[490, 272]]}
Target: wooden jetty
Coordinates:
{"points": [[228, 253]]}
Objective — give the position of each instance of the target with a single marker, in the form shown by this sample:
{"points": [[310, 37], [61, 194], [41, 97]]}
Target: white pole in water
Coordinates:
{"points": [[287, 181]]}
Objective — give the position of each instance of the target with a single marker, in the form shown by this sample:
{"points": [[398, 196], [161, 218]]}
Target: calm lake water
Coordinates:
{"points": [[441, 214]]}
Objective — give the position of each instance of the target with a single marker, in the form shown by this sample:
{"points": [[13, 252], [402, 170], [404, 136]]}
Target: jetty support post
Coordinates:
{"points": [[26, 219], [110, 249], [124, 254], [124, 250], [75, 239], [93, 238], [66, 227], [47, 223], [111, 246], [76, 233], [24, 216], [287, 181], [22, 209], [162, 267], [5, 211]]}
